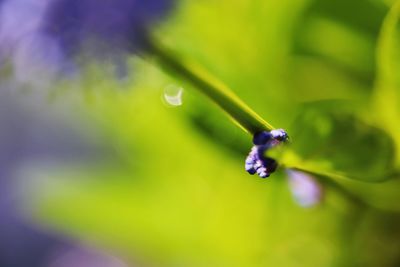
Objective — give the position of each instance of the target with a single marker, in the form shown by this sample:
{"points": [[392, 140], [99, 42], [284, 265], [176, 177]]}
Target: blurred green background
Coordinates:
{"points": [[170, 188]]}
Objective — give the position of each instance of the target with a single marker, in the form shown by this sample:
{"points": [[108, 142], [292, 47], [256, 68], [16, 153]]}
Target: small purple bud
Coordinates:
{"points": [[249, 160], [258, 164], [271, 164], [280, 135], [262, 172], [250, 169], [249, 164], [262, 138]]}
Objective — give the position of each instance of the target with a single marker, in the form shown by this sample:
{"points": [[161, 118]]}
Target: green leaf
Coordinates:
{"points": [[387, 91], [328, 139], [384, 196]]}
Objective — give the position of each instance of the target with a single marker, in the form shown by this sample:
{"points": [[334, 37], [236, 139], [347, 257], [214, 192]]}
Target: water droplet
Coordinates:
{"points": [[305, 189], [173, 95]]}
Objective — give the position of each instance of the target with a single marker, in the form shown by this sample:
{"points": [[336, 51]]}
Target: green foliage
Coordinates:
{"points": [[171, 194], [387, 91], [171, 197], [336, 141]]}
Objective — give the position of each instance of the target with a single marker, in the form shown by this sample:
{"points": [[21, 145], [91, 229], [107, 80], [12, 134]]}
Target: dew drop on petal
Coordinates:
{"points": [[305, 189], [173, 95]]}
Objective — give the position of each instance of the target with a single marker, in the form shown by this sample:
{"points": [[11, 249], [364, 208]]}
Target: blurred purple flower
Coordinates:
{"points": [[305, 189], [112, 25], [44, 37]]}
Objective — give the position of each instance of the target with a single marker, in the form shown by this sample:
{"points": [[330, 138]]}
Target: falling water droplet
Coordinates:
{"points": [[173, 95], [305, 189]]}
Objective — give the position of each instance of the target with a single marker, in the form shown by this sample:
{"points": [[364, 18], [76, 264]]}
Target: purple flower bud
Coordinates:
{"points": [[256, 162], [280, 135], [249, 164], [262, 172], [262, 138], [271, 164]]}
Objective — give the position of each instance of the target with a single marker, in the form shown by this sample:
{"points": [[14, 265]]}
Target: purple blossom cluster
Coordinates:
{"points": [[256, 161]]}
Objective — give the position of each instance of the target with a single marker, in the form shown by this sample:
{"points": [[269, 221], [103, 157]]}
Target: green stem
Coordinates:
{"points": [[218, 92]]}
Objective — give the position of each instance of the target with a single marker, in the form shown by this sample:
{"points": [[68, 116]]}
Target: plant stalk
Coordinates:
{"points": [[217, 91]]}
